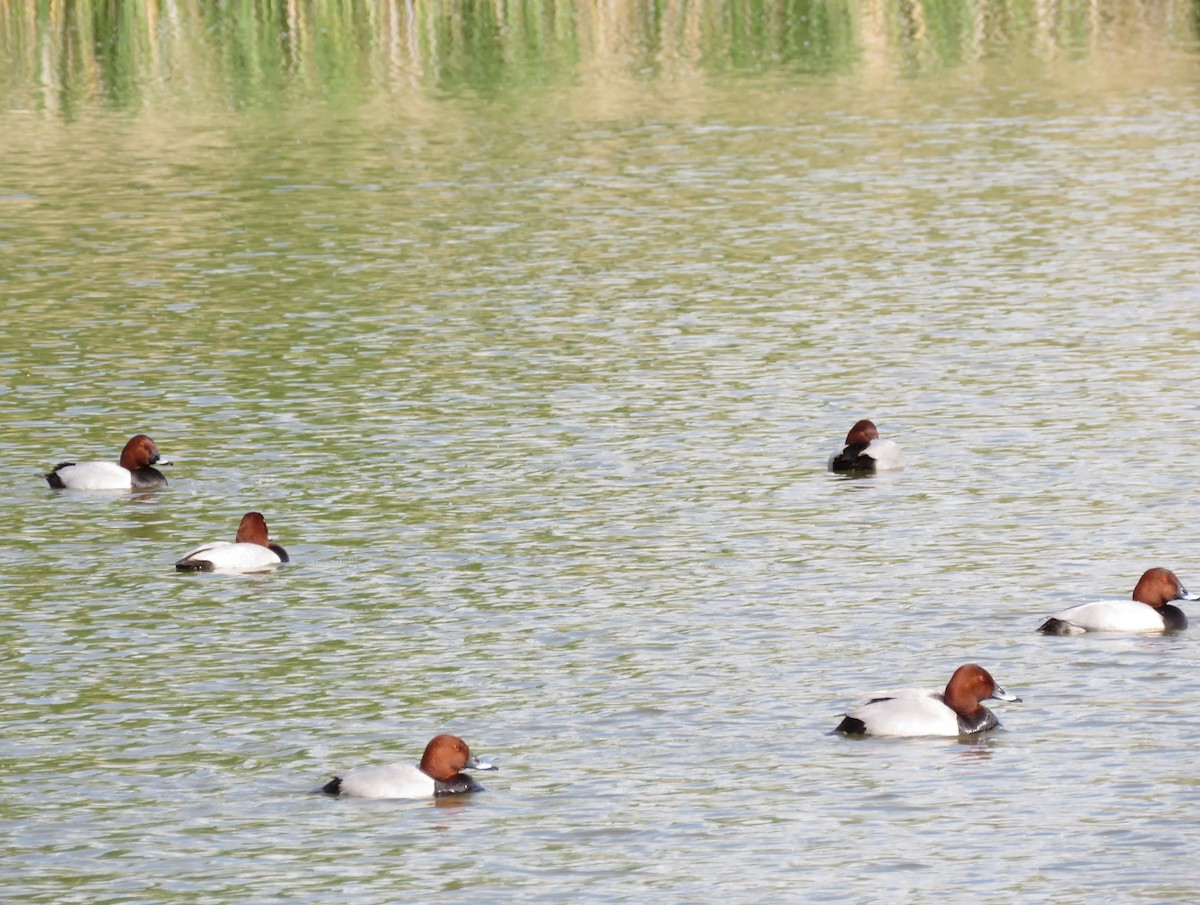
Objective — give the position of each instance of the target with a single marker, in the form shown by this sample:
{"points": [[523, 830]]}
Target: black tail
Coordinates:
{"points": [[852, 726], [193, 565], [848, 461], [1054, 626], [52, 476], [333, 787]]}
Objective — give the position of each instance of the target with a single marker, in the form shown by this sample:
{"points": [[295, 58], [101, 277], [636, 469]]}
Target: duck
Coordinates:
{"points": [[864, 453], [250, 551], [438, 774], [133, 472], [1148, 610], [913, 712]]}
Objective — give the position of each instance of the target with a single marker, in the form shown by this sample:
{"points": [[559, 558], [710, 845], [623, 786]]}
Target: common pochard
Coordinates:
{"points": [[439, 773], [914, 712], [1147, 611], [864, 453], [251, 551], [133, 472]]}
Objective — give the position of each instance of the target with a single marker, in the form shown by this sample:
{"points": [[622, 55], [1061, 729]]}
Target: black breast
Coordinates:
{"points": [[456, 785], [980, 721], [1173, 618], [147, 477]]}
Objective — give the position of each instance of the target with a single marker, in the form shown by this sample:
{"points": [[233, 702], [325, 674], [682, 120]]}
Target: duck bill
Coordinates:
{"points": [[476, 764], [1184, 595], [1001, 695]]}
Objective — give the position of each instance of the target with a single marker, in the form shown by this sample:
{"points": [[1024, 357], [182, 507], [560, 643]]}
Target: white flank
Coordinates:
{"points": [[231, 557], [95, 476]]}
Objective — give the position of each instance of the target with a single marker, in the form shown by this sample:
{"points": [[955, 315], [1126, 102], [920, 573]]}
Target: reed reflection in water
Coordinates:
{"points": [[63, 56]]}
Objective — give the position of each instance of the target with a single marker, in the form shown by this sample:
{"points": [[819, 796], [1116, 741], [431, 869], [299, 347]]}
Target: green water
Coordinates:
{"points": [[530, 327]]}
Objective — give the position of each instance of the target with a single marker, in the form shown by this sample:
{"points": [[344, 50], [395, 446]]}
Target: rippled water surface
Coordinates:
{"points": [[538, 397]]}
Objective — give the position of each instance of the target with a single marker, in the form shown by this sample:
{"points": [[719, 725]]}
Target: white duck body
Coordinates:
{"points": [[397, 780], [229, 556], [907, 713], [94, 476], [1110, 616]]}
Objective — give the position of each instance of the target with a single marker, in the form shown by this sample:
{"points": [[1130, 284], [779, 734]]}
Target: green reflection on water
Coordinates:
{"points": [[60, 56]]}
